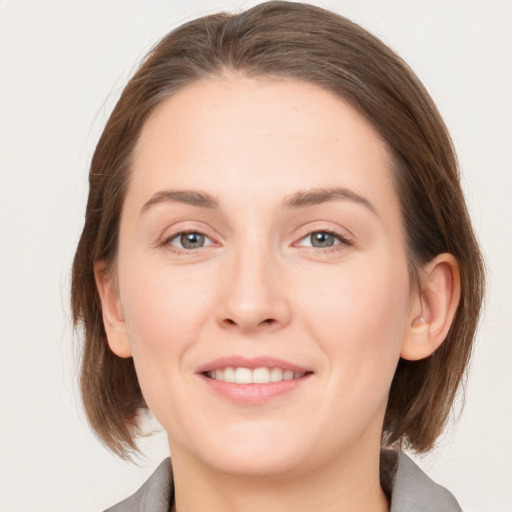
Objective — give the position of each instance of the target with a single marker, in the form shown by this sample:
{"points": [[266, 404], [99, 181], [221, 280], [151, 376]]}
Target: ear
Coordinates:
{"points": [[113, 319], [433, 309]]}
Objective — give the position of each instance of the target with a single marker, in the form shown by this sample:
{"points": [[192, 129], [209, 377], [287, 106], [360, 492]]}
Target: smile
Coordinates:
{"points": [[263, 375]]}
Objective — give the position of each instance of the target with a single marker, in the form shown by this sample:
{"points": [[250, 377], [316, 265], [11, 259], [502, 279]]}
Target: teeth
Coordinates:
{"points": [[276, 374], [229, 375], [243, 376], [263, 375]]}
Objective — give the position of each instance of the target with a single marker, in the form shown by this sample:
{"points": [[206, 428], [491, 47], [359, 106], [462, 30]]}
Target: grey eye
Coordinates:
{"points": [[322, 239], [190, 240]]}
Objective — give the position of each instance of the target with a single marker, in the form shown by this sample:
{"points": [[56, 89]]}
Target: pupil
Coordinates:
{"points": [[322, 239], [192, 240]]}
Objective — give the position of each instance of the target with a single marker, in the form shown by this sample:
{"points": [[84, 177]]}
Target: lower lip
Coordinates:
{"points": [[254, 393]]}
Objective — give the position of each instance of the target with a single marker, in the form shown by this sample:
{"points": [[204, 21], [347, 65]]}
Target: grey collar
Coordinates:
{"points": [[408, 486], [413, 490]]}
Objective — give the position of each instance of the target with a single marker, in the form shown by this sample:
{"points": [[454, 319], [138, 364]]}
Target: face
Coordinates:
{"points": [[263, 289]]}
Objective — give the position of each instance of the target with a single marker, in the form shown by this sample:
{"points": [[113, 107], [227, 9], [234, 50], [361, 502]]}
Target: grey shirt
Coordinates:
{"points": [[408, 487]]}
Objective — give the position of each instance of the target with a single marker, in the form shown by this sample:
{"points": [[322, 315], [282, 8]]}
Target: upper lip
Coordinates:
{"points": [[250, 362]]}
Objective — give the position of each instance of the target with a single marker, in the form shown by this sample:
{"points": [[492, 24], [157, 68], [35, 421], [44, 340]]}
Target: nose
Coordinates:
{"points": [[254, 294]]}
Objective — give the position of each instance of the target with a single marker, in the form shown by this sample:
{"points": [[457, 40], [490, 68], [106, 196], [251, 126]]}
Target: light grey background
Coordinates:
{"points": [[62, 66]]}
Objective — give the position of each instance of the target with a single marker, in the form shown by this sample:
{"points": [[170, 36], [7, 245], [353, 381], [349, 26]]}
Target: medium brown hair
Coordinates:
{"points": [[310, 44]]}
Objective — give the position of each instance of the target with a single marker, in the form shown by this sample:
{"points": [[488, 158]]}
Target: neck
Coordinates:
{"points": [[351, 484]]}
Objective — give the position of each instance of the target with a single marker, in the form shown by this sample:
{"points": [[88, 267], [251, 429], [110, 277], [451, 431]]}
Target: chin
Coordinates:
{"points": [[251, 463], [262, 454]]}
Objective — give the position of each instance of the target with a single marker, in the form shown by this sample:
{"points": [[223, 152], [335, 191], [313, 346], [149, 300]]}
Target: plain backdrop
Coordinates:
{"points": [[62, 67]]}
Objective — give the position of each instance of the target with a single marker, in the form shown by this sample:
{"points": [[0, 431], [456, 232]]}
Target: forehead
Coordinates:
{"points": [[259, 136], [256, 105]]}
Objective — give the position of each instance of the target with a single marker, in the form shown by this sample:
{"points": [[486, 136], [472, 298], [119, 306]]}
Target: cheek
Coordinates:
{"points": [[360, 319], [165, 314], [162, 309]]}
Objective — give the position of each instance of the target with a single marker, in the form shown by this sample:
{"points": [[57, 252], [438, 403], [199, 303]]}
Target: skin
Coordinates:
{"points": [[257, 287]]}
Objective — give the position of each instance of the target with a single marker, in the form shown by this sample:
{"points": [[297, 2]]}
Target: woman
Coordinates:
{"points": [[278, 263]]}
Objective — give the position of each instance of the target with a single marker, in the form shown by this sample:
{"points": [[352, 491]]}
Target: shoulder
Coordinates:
{"points": [[154, 496], [412, 489]]}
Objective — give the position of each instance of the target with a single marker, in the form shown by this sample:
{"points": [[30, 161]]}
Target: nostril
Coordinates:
{"points": [[268, 321]]}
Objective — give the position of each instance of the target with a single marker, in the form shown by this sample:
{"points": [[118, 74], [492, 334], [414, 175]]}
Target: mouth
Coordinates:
{"points": [[253, 380], [261, 375]]}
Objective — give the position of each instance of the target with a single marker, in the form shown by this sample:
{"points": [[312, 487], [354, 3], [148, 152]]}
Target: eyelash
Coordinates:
{"points": [[344, 242]]}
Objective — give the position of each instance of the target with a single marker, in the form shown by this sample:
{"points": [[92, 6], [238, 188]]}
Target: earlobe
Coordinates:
{"points": [[434, 309], [113, 319]]}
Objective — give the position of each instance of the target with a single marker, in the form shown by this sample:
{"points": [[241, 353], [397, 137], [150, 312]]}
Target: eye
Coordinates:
{"points": [[188, 240], [324, 239]]}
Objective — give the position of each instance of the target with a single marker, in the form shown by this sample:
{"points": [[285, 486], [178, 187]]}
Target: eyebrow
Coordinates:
{"points": [[311, 197], [191, 197], [300, 199]]}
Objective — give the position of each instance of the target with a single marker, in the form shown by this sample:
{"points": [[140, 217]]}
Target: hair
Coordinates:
{"points": [[310, 44]]}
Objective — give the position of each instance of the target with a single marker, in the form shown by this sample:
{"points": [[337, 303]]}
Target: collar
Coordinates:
{"points": [[407, 485], [410, 488]]}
